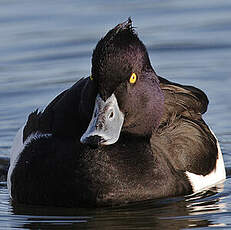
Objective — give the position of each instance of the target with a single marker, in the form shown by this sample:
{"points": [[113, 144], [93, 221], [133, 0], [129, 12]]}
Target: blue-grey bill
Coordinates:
{"points": [[106, 122]]}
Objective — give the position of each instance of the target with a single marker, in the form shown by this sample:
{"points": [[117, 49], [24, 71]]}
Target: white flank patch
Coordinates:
{"points": [[17, 148], [200, 182]]}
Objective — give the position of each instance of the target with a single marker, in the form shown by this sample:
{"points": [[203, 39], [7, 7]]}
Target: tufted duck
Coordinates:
{"points": [[124, 134]]}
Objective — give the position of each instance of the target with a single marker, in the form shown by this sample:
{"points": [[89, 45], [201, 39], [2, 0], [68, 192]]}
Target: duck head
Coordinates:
{"points": [[129, 97]]}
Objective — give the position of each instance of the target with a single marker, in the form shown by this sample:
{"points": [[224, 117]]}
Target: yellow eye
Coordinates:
{"points": [[133, 78], [91, 78]]}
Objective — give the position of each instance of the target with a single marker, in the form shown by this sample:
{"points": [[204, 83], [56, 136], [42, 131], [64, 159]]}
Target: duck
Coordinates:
{"points": [[122, 135]]}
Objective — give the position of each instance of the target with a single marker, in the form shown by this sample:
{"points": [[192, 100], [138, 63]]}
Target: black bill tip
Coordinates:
{"points": [[93, 141]]}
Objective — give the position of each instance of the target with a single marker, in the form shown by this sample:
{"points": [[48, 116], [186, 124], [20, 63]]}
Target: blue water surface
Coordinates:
{"points": [[46, 46]]}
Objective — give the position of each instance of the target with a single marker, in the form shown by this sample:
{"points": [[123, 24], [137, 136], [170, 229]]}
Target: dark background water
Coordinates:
{"points": [[46, 46]]}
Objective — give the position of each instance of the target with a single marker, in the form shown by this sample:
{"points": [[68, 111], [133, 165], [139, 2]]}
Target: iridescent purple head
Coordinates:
{"points": [[129, 97]]}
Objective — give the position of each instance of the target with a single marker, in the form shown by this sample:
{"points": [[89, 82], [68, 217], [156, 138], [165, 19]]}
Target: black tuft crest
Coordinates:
{"points": [[124, 26], [116, 56]]}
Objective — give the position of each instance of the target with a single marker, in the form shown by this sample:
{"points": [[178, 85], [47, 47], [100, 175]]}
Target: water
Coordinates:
{"points": [[46, 46]]}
